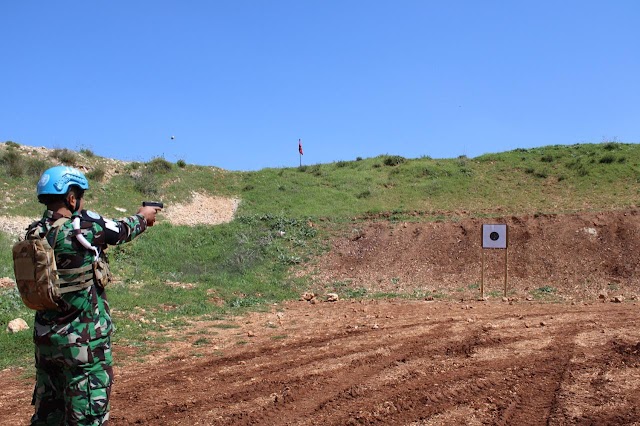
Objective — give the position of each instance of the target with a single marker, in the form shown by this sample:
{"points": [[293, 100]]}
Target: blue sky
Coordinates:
{"points": [[239, 82]]}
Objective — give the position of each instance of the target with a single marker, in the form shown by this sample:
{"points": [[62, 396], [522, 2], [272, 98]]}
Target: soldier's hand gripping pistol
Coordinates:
{"points": [[157, 206]]}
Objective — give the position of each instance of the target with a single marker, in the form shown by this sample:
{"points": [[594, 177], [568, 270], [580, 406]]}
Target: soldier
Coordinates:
{"points": [[73, 343]]}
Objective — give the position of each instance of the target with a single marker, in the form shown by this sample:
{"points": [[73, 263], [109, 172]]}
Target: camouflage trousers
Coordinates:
{"points": [[73, 384]]}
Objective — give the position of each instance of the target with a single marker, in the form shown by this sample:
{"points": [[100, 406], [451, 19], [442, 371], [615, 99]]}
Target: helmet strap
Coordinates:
{"points": [[68, 205]]}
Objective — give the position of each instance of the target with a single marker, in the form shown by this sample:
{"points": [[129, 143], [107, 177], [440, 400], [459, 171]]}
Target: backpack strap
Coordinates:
{"points": [[60, 222], [56, 225]]}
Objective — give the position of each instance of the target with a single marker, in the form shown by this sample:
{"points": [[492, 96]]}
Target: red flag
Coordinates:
{"points": [[300, 147]]}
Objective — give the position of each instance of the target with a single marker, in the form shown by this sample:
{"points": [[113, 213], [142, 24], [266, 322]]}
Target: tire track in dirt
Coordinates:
{"points": [[426, 364], [360, 377], [602, 381], [298, 377], [447, 390], [535, 400]]}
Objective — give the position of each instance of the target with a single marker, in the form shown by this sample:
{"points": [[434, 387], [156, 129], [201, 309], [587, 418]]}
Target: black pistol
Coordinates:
{"points": [[156, 204]]}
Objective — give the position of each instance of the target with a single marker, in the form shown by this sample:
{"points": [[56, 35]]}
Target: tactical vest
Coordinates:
{"points": [[38, 279]]}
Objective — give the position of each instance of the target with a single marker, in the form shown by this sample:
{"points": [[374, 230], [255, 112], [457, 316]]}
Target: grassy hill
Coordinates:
{"points": [[286, 217]]}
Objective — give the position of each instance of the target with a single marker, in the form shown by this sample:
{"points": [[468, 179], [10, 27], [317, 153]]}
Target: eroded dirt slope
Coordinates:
{"points": [[577, 255]]}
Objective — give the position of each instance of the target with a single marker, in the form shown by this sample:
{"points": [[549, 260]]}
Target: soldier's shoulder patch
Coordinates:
{"points": [[90, 215]]}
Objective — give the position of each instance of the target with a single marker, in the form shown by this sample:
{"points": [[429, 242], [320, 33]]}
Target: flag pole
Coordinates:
{"points": [[300, 151]]}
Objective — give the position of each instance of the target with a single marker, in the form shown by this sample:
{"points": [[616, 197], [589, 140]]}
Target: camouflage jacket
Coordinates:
{"points": [[84, 315]]}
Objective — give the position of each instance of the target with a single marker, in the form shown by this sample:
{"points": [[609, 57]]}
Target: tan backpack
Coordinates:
{"points": [[37, 276]]}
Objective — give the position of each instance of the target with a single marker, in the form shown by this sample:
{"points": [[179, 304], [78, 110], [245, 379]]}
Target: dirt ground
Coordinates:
{"points": [[386, 362], [562, 349]]}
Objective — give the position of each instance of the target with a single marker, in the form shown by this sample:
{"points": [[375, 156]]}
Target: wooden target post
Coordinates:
{"points": [[495, 237]]}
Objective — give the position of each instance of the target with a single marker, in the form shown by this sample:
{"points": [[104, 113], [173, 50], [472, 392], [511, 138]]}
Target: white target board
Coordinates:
{"points": [[494, 236]]}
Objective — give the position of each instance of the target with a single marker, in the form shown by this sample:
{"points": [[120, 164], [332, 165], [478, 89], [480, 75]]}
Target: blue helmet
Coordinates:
{"points": [[58, 179]]}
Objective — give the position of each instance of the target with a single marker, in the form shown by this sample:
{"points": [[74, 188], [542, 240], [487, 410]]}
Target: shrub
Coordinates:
{"points": [[12, 144], [582, 170], [547, 159], [182, 164], [393, 160], [132, 166], [539, 174], [611, 146], [65, 156], [427, 172], [608, 159], [35, 166], [97, 174], [364, 194], [466, 171], [87, 152], [146, 183], [159, 165], [315, 170], [13, 163]]}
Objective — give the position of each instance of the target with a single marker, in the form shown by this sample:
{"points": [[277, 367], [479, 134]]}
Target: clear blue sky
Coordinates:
{"points": [[239, 82]]}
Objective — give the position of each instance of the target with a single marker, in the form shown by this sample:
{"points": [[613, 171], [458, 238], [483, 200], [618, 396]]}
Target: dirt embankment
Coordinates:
{"points": [[574, 255]]}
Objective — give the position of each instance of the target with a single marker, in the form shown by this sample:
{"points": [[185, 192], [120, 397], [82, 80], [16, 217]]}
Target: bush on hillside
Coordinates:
{"points": [[65, 156], [36, 166], [146, 183], [97, 174], [13, 162], [393, 160], [608, 159], [611, 146], [159, 165]]}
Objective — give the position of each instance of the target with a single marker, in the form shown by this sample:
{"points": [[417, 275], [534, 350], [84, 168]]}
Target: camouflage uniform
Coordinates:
{"points": [[74, 369]]}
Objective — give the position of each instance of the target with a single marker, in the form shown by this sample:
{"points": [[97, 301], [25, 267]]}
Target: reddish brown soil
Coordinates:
{"points": [[574, 359], [576, 255]]}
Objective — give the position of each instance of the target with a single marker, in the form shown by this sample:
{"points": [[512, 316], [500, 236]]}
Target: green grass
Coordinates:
{"points": [[547, 179], [16, 348], [545, 292], [285, 218]]}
